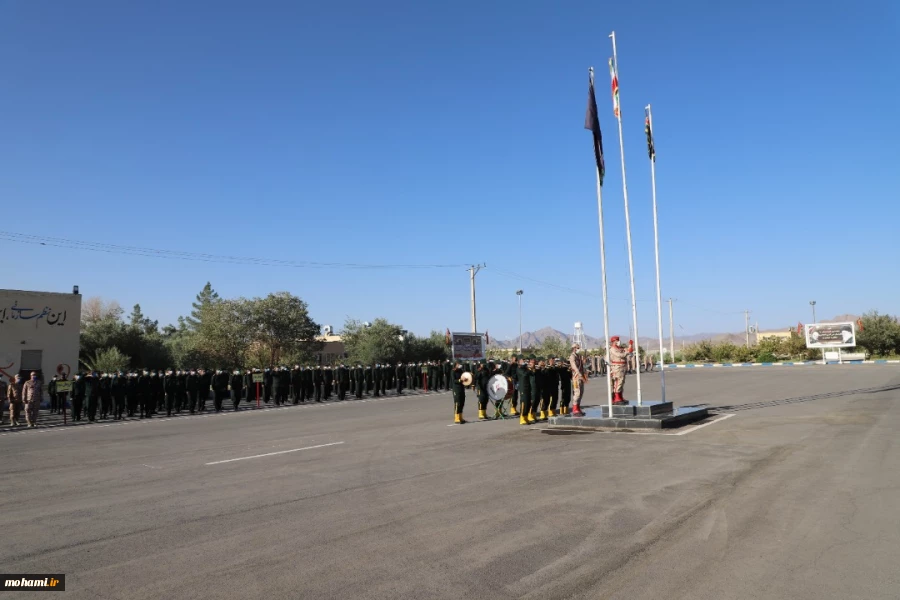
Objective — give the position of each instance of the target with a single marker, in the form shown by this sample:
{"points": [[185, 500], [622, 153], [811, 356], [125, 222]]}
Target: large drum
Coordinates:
{"points": [[500, 387]]}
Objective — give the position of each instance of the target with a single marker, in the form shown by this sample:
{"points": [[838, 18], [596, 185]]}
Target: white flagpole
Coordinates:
{"points": [[637, 343], [603, 276], [662, 371]]}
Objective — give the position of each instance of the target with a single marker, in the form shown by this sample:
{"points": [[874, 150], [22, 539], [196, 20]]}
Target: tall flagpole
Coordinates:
{"points": [[651, 150], [637, 343], [603, 274]]}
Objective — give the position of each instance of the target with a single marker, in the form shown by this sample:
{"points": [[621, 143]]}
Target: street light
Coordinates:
{"points": [[519, 294], [813, 304]]}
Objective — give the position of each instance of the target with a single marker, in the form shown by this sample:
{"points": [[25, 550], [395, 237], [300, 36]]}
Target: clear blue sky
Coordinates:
{"points": [[451, 133]]}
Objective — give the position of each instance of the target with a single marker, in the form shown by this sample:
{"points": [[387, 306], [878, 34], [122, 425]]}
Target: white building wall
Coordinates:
{"points": [[40, 328]]}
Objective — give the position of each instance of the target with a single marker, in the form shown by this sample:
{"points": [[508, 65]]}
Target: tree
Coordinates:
{"points": [[107, 360], [94, 309], [880, 334], [206, 297], [280, 322], [224, 335], [554, 346], [379, 342], [433, 347], [141, 323]]}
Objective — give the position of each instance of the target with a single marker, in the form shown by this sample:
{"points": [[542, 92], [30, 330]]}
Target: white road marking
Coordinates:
{"points": [[219, 462], [722, 417]]}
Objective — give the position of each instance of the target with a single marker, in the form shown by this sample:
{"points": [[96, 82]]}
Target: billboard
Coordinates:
{"points": [[467, 346], [831, 335]]}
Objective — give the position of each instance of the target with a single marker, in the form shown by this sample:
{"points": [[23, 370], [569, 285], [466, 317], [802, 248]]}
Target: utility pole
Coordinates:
{"points": [[472, 272], [747, 326], [671, 332], [519, 294]]}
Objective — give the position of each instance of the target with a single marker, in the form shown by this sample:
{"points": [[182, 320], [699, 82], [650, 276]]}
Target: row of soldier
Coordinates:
{"points": [[149, 392]]}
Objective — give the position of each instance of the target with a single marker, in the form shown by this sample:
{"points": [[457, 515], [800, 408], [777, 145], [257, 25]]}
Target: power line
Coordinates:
{"points": [[70, 244]]}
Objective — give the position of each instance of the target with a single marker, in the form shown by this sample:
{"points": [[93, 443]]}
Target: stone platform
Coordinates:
{"points": [[650, 415]]}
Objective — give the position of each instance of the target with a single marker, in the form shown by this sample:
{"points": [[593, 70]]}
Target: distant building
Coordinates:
{"points": [[332, 350], [39, 331]]}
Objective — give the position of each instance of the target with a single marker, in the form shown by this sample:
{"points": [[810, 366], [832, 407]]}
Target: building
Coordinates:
{"points": [[39, 331], [332, 350]]}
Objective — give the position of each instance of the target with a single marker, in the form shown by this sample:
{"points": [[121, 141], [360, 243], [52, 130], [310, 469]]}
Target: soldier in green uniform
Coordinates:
{"points": [[327, 381], [171, 389], [220, 389], [298, 391], [318, 378], [400, 376], [275, 375], [118, 393], [192, 383], [482, 375], [447, 368], [377, 379], [370, 379], [360, 380], [510, 372], [552, 387], [459, 393], [343, 381], [203, 391], [105, 395], [237, 388], [524, 378]]}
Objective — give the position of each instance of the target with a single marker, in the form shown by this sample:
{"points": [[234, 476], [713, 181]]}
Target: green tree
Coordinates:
{"points": [[107, 360], [554, 346], [142, 324], [281, 323], [880, 334], [206, 297], [224, 335], [378, 342], [433, 347]]}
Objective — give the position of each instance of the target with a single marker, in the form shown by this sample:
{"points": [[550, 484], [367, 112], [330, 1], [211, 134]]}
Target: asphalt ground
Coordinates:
{"points": [[794, 496]]}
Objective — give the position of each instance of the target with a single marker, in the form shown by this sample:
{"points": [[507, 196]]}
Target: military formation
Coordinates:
{"points": [[539, 387], [100, 396]]}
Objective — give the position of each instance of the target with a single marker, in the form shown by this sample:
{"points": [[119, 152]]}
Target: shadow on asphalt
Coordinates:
{"points": [[798, 399]]}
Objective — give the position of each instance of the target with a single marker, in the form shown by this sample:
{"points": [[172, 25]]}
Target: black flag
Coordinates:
{"points": [[651, 147], [592, 122]]}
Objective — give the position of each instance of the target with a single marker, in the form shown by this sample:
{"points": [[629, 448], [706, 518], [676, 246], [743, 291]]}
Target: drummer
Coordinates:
{"points": [[459, 391]]}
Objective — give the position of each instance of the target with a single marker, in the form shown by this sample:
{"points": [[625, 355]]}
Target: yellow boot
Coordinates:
{"points": [[551, 413], [563, 410], [456, 418], [523, 420], [481, 415], [530, 418], [512, 411], [461, 419], [542, 416]]}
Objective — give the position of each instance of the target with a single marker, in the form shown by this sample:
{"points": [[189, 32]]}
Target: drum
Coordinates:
{"points": [[500, 387], [466, 379]]}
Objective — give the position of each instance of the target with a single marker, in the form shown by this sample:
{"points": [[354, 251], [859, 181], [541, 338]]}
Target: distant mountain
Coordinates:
{"points": [[536, 338]]}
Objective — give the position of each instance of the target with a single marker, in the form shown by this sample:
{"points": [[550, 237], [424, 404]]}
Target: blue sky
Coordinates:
{"points": [[418, 132]]}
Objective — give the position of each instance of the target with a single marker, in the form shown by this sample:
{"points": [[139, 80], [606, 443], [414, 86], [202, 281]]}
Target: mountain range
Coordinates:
{"points": [[536, 338]]}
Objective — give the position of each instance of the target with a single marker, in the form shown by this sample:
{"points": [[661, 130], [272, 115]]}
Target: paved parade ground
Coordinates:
{"points": [[793, 496]]}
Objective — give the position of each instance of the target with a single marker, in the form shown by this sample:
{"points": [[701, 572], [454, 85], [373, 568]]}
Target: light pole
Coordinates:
{"points": [[813, 304], [519, 294]]}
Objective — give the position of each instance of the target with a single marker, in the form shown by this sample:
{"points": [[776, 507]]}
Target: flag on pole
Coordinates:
{"points": [[859, 324], [614, 76], [487, 338], [651, 149], [447, 338], [592, 122]]}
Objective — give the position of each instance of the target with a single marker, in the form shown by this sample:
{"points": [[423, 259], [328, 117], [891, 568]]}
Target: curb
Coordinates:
{"points": [[782, 364]]}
